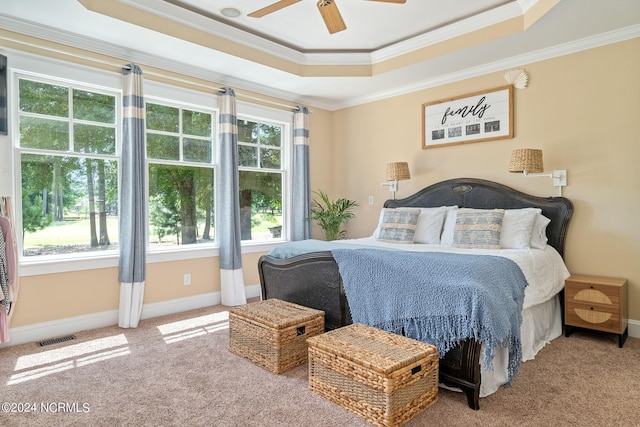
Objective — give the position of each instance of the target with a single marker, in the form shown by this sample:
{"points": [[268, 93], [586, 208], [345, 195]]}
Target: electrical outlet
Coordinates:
{"points": [[370, 200], [187, 279]]}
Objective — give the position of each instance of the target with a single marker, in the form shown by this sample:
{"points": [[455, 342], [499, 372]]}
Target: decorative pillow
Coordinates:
{"points": [[517, 226], [539, 232], [429, 225], [398, 225], [449, 224], [478, 228]]}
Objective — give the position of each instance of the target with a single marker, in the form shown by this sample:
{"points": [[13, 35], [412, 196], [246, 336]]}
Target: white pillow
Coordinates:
{"points": [[446, 239], [429, 225], [517, 226], [539, 232]]}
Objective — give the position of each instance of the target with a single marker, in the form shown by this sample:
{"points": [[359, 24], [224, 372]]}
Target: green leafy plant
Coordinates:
{"points": [[330, 215]]}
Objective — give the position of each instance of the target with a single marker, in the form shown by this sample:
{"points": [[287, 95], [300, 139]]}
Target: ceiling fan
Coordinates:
{"points": [[328, 9]]}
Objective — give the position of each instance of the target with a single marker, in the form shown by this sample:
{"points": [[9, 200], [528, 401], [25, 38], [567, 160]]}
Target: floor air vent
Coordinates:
{"points": [[56, 340]]}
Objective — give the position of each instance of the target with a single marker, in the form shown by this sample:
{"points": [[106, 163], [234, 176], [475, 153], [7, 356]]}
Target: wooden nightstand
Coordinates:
{"points": [[597, 303]]}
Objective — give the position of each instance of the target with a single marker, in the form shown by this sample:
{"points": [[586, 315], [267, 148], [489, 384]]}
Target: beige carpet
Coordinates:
{"points": [[176, 370]]}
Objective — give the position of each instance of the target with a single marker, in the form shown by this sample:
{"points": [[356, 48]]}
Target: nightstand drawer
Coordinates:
{"points": [[592, 293], [601, 317]]}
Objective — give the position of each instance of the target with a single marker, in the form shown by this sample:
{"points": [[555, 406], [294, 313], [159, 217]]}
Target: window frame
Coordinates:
{"points": [[18, 151], [35, 67], [206, 247], [285, 166]]}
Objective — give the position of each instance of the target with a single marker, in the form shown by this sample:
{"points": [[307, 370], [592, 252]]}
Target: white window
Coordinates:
{"points": [[68, 150], [180, 153], [260, 163], [67, 130]]}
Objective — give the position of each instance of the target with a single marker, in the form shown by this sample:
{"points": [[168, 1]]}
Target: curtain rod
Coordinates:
{"points": [[240, 95], [159, 75]]}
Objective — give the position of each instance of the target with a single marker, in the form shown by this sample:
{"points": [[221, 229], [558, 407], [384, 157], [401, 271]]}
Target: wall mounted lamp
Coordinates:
{"points": [[397, 171], [529, 162]]}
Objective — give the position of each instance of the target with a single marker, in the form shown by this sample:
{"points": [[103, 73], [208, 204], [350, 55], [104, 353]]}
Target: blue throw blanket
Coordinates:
{"points": [[299, 247], [439, 298]]}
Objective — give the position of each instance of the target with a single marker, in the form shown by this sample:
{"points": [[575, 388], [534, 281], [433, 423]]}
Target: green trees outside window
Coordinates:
{"points": [[260, 179], [180, 150], [69, 161], [69, 168]]}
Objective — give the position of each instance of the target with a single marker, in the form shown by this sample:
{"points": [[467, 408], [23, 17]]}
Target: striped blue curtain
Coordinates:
{"points": [[301, 208], [232, 290], [133, 233]]}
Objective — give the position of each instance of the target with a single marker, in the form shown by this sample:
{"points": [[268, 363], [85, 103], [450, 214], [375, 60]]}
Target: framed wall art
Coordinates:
{"points": [[3, 95], [476, 117]]}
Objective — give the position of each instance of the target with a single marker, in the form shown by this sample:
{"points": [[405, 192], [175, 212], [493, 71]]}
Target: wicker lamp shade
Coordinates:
{"points": [[398, 171], [526, 160]]}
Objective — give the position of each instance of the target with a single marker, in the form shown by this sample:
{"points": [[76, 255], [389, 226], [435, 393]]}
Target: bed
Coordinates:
{"points": [[312, 277]]}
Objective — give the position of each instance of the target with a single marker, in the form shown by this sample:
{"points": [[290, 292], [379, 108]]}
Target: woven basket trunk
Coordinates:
{"points": [[273, 334], [384, 378]]}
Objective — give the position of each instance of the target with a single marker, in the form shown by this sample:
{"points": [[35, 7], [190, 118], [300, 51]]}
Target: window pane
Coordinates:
{"points": [[94, 139], [180, 205], [44, 133], [94, 107], [260, 205], [247, 156], [69, 204], [270, 135], [247, 131], [44, 98], [197, 150], [164, 147], [270, 158], [162, 117], [196, 123]]}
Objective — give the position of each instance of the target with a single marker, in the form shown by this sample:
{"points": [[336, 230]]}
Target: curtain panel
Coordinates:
{"points": [[133, 233], [301, 206], [232, 290]]}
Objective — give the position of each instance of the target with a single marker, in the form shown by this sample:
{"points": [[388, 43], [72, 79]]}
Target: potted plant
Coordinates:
{"points": [[330, 215]]}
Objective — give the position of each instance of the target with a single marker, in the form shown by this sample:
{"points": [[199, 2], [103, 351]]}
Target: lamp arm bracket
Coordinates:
{"points": [[393, 185], [536, 175]]}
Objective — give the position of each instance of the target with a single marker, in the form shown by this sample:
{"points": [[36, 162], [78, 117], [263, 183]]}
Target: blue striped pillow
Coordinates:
{"points": [[478, 228], [398, 225]]}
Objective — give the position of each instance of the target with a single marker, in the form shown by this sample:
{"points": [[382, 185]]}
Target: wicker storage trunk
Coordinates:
{"points": [[273, 333], [385, 378]]}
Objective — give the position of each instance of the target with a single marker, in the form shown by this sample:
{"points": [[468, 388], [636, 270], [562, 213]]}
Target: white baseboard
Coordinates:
{"points": [[71, 325], [634, 328]]}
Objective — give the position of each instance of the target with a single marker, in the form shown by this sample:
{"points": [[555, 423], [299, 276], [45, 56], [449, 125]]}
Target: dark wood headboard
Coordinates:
{"points": [[483, 194]]}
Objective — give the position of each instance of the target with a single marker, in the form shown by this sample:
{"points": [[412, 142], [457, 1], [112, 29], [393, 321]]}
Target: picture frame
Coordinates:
{"points": [[475, 117], [3, 96]]}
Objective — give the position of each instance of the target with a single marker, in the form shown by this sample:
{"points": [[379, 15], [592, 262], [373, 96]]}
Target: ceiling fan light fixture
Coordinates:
{"points": [[230, 12]]}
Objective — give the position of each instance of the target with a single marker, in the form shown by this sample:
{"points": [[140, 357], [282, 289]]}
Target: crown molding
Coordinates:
{"points": [[127, 55], [587, 43]]}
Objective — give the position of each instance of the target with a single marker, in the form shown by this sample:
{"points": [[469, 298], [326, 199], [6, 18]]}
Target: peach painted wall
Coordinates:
{"points": [[581, 109]]}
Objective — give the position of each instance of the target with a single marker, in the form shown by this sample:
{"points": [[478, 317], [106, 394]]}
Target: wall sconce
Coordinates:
{"points": [[529, 162], [397, 171]]}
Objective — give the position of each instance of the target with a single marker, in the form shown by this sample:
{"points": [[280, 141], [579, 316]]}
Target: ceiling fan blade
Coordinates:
{"points": [[272, 8], [331, 16], [391, 1]]}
